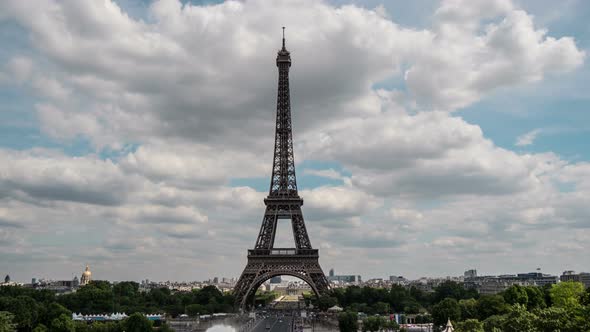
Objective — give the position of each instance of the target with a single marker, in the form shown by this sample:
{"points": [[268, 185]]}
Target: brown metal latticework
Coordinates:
{"points": [[283, 202]]}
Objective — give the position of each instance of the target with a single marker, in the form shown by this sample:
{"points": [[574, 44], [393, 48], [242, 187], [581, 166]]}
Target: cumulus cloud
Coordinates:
{"points": [[469, 59], [425, 154], [338, 202], [185, 99], [19, 69], [528, 138], [49, 176]]}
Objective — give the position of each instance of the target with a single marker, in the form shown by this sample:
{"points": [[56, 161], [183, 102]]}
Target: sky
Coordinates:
{"points": [[430, 137]]}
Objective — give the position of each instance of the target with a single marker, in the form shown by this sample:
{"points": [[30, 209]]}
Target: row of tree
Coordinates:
{"points": [[30, 308], [64, 323], [562, 307], [395, 299]]}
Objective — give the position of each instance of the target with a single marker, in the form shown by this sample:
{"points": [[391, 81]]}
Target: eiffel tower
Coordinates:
{"points": [[283, 202]]}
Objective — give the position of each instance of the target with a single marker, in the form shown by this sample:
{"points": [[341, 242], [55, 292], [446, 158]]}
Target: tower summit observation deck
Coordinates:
{"points": [[282, 203]]}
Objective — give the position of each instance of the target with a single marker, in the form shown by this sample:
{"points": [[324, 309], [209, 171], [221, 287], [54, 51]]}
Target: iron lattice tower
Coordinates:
{"points": [[283, 202]]}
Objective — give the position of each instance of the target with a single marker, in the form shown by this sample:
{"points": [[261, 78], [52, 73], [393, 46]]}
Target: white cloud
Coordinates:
{"points": [[50, 88], [464, 63], [19, 69], [528, 138], [334, 202], [192, 89], [324, 173]]}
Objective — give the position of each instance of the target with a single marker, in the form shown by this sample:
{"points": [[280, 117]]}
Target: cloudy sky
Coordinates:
{"points": [[431, 137]]}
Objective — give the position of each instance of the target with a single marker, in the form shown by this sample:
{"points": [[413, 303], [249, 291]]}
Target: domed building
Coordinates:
{"points": [[86, 277]]}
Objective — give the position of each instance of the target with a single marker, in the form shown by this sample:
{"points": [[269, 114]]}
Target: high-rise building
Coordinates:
{"points": [[331, 273]]}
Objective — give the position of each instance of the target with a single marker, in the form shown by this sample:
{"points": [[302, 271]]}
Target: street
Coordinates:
{"points": [[274, 324]]}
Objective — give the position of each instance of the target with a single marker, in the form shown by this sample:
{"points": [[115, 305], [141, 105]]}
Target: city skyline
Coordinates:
{"points": [[430, 138]]}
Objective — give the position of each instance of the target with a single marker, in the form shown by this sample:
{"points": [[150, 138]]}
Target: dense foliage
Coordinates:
{"points": [[563, 307], [42, 310]]}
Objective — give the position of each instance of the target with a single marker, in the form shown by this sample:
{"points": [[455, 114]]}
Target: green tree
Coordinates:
{"points": [[519, 319], [82, 326], [127, 289], [196, 309], [7, 322], [469, 325], [374, 323], [412, 306], [326, 302], [490, 305], [53, 311], [444, 310], [546, 289], [25, 310], [398, 297], [423, 319], [582, 322], [516, 294], [555, 319], [586, 297], [422, 297], [391, 325], [41, 328], [453, 290], [494, 323], [106, 327], [63, 323], [348, 321], [468, 308], [381, 308], [567, 294], [137, 323], [536, 298], [101, 284]]}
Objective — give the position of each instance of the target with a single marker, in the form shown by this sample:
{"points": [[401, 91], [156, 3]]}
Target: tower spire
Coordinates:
{"points": [[283, 182]]}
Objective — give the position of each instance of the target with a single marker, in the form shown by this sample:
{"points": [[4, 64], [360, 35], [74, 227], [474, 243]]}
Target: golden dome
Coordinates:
{"points": [[87, 272]]}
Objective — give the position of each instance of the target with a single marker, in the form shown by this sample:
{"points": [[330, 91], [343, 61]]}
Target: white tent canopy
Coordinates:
{"points": [[335, 309]]}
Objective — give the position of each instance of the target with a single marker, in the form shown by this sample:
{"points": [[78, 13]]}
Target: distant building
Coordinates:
{"points": [[487, 285], [398, 280], [86, 277], [540, 279], [275, 280], [351, 279], [8, 282], [216, 280], [470, 274], [583, 277], [57, 286], [76, 282]]}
